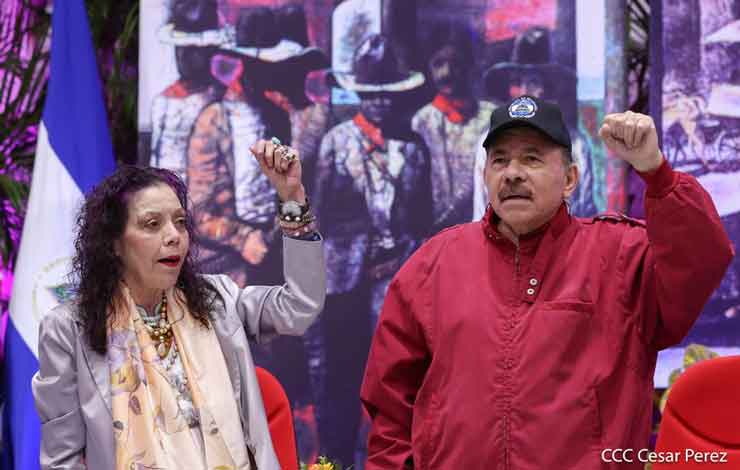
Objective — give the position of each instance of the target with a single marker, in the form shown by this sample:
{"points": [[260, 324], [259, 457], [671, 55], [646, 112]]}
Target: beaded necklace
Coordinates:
{"points": [[160, 330]]}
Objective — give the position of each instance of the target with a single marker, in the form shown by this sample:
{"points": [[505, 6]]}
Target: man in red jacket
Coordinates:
{"points": [[528, 340]]}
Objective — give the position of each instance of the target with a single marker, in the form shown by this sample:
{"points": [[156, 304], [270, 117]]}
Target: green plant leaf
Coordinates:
{"points": [[696, 353]]}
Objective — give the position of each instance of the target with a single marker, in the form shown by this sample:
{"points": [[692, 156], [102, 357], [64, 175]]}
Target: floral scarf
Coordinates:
{"points": [[150, 430]]}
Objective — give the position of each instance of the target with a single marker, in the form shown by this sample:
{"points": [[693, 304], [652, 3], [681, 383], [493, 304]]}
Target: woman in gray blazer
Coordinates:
{"points": [[149, 366]]}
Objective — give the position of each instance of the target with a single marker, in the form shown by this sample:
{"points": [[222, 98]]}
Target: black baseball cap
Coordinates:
{"points": [[533, 112]]}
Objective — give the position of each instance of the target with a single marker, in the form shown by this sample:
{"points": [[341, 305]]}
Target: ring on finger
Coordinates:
{"points": [[284, 152], [288, 156]]}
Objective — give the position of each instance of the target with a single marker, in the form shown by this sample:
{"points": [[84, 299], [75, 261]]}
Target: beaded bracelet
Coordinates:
{"points": [[293, 224], [296, 231]]}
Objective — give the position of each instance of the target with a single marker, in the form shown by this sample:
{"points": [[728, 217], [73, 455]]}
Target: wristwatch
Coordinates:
{"points": [[293, 211]]}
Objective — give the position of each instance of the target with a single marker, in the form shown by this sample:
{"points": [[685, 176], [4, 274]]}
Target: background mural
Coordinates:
{"points": [[387, 101], [697, 91]]}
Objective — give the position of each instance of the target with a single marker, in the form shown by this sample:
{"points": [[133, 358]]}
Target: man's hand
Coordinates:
{"points": [[284, 174], [633, 138]]}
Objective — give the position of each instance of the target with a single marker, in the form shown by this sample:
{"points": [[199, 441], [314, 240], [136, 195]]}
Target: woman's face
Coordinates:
{"points": [[154, 243]]}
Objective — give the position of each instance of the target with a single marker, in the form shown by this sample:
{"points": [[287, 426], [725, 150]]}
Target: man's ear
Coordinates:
{"points": [[571, 180], [485, 162]]}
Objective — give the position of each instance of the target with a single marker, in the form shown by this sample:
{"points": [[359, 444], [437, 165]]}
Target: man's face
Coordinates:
{"points": [[526, 178], [527, 83], [194, 64], [448, 72], [377, 107]]}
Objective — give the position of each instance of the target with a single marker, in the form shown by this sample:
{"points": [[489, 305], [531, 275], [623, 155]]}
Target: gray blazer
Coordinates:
{"points": [[72, 387]]}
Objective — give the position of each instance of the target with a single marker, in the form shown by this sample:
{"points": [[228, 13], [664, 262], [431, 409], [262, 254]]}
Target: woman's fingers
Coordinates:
{"points": [[274, 155]]}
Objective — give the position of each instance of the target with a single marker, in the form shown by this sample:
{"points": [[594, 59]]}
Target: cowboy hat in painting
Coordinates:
{"points": [[194, 23], [259, 36], [375, 68], [532, 54]]}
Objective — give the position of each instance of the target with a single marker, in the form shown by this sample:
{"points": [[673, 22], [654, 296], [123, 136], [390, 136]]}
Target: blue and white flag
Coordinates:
{"points": [[73, 154]]}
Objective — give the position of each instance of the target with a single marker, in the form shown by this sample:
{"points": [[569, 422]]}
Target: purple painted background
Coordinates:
{"points": [[695, 97]]}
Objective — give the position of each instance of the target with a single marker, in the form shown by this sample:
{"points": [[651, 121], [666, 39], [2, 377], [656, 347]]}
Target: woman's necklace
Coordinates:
{"points": [[161, 331]]}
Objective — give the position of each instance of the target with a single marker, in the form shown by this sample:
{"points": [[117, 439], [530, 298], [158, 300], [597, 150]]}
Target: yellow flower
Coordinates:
{"points": [[322, 465]]}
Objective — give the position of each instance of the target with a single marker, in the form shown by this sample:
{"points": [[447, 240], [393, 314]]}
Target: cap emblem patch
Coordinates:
{"points": [[522, 108]]}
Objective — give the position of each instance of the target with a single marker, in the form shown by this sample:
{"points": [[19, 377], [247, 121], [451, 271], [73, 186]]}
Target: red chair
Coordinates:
{"points": [[702, 416], [279, 419]]}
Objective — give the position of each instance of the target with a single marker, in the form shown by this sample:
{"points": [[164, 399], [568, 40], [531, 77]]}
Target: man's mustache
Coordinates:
{"points": [[517, 191]]}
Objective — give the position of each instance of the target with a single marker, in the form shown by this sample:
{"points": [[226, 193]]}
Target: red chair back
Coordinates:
{"points": [[701, 419], [279, 419]]}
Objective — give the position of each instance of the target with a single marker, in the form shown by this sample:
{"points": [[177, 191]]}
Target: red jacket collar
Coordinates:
{"points": [[556, 225]]}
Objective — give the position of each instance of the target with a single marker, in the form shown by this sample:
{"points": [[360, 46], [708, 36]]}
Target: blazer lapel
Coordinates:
{"points": [[225, 331]]}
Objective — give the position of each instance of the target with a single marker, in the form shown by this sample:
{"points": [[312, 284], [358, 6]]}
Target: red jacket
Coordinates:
{"points": [[491, 357]]}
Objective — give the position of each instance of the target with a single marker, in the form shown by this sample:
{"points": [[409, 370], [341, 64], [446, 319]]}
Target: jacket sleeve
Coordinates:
{"points": [[267, 311], [686, 254], [55, 392], [398, 361]]}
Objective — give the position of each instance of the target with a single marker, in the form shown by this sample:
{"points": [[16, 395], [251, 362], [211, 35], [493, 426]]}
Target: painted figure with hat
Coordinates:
{"points": [[452, 124], [373, 203], [275, 60], [194, 32], [256, 49], [528, 339], [234, 204], [531, 71], [242, 243]]}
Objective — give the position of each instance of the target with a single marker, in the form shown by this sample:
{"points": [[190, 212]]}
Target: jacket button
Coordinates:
{"points": [[530, 291], [533, 282]]}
